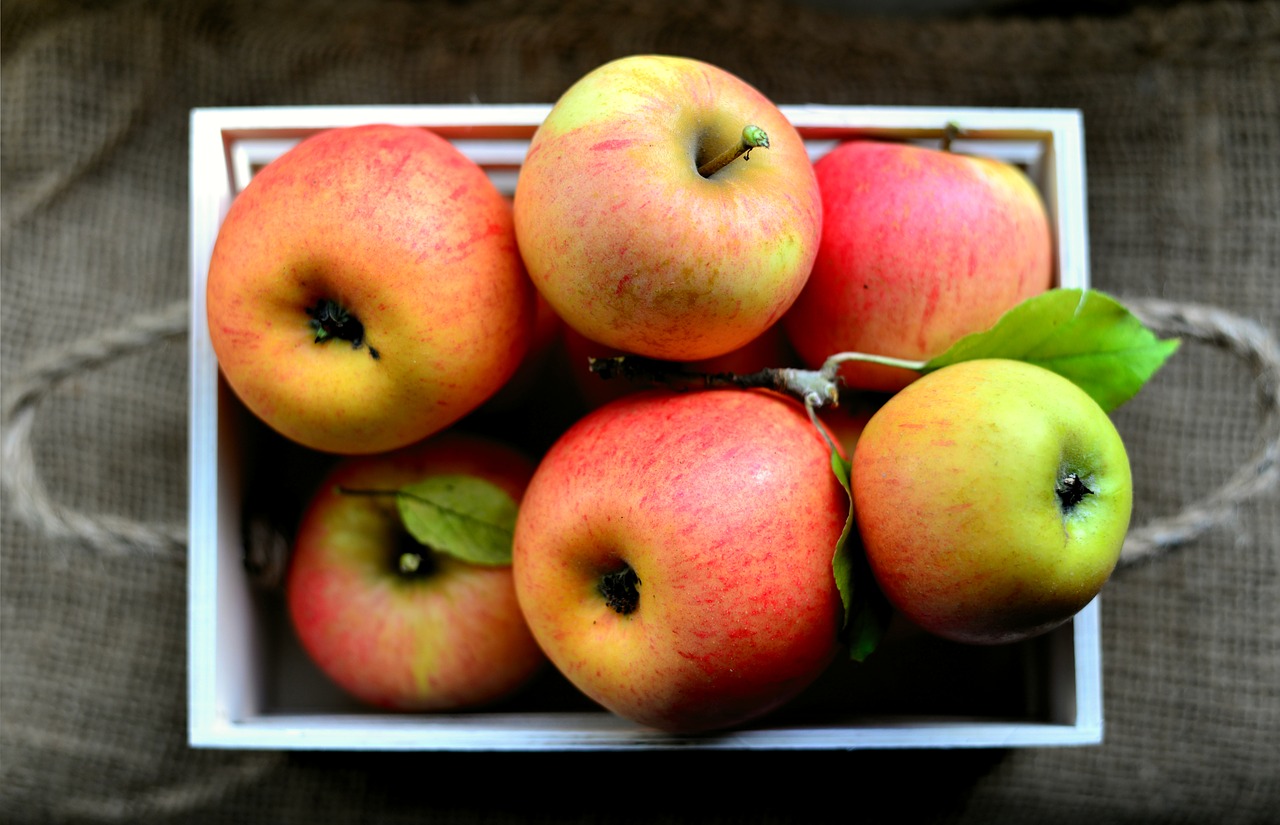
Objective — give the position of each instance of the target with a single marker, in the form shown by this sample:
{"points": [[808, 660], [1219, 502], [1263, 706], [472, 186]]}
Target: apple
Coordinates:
{"points": [[768, 349], [919, 248], [673, 556], [398, 624], [632, 237], [993, 498], [365, 290]]}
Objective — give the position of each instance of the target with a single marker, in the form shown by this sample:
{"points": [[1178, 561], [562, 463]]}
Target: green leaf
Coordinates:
{"points": [[866, 611], [464, 516], [1085, 336]]}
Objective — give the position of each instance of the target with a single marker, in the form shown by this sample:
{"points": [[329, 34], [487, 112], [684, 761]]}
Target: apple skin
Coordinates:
{"points": [[631, 245], [407, 234], [920, 247], [451, 640], [724, 505], [954, 485]]}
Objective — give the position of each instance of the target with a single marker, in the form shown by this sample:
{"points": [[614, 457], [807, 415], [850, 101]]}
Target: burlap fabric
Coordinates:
{"points": [[1182, 112]]}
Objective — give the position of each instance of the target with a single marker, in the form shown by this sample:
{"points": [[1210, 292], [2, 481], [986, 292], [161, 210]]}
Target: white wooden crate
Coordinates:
{"points": [[250, 686]]}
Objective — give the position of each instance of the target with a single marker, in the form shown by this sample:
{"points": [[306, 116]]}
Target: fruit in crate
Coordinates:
{"points": [[638, 236], [673, 556], [993, 497], [920, 247], [366, 291], [404, 625]]}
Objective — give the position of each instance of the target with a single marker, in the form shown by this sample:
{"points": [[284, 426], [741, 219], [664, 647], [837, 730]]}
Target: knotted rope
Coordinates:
{"points": [[31, 503]]}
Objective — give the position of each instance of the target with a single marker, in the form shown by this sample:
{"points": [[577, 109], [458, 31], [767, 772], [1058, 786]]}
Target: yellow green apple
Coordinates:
{"points": [[366, 290], [396, 623], [673, 556], [919, 248], [635, 237], [993, 498]]}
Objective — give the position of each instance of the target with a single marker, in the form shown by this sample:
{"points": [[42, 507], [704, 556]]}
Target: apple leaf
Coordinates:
{"points": [[464, 516], [1085, 336], [866, 611]]}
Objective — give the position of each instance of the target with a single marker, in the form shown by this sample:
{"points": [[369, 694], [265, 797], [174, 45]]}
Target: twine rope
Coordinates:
{"points": [[117, 535], [109, 534], [1260, 473]]}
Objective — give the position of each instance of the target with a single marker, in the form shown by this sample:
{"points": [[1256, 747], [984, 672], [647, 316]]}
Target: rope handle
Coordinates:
{"points": [[120, 536], [1260, 473], [110, 535]]}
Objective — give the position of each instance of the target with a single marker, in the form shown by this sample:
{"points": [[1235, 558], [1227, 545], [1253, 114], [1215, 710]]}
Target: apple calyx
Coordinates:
{"points": [[753, 137], [621, 590], [1071, 490], [330, 320]]}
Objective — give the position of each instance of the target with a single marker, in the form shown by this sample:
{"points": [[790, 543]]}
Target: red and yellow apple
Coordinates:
{"points": [[366, 290], [920, 247], [638, 249], [673, 556], [395, 623], [993, 498]]}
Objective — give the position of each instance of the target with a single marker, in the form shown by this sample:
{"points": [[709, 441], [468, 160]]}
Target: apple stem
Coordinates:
{"points": [[797, 382], [398, 494], [816, 388], [822, 431], [950, 133], [753, 137], [832, 364], [451, 512]]}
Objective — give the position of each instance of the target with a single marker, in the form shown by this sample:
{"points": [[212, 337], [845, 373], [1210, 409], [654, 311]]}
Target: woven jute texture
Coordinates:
{"points": [[1182, 118]]}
